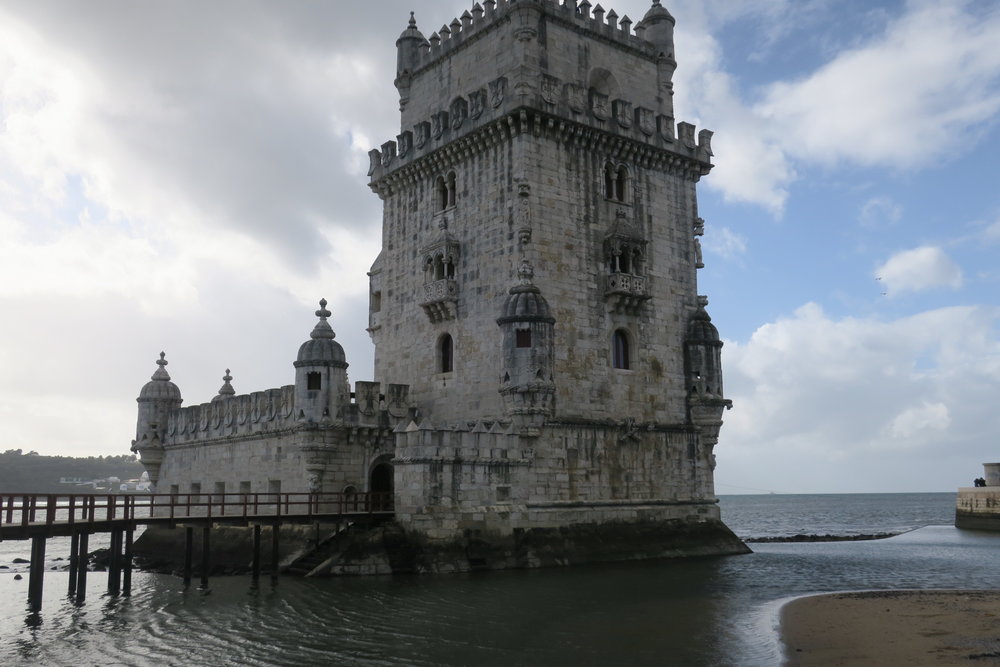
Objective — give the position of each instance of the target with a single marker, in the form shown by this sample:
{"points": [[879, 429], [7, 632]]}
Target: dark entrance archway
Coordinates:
{"points": [[380, 484]]}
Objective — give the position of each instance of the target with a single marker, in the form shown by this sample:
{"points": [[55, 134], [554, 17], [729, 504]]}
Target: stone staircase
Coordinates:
{"points": [[324, 554]]}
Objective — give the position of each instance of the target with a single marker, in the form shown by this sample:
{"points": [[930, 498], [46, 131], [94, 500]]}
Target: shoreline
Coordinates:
{"points": [[892, 627]]}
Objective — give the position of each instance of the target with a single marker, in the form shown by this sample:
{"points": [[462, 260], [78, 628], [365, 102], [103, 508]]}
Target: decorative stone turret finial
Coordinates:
{"points": [[322, 328], [227, 389], [161, 372]]}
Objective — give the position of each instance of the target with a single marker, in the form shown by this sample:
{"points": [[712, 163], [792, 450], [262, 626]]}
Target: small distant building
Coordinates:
{"points": [[978, 507], [548, 383]]}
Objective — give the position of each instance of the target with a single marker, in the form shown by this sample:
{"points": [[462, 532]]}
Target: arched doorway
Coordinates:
{"points": [[380, 484]]}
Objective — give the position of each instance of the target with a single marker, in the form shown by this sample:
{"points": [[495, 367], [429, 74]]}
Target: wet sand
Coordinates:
{"points": [[893, 628]]}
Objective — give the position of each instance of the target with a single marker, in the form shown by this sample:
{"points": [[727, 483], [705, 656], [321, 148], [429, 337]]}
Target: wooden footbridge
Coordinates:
{"points": [[77, 516]]}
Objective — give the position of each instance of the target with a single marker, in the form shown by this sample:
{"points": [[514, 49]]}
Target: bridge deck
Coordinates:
{"points": [[25, 516]]}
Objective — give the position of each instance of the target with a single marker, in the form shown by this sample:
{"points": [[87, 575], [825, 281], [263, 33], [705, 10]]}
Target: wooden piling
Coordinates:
{"points": [[37, 574], [256, 552], [205, 532], [188, 553], [74, 561], [81, 571], [274, 552], [127, 576], [114, 562]]}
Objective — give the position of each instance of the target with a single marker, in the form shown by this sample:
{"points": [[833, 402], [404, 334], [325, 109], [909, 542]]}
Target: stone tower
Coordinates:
{"points": [[537, 285]]}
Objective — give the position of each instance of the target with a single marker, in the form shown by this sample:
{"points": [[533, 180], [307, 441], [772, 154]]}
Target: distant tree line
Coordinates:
{"points": [[34, 473]]}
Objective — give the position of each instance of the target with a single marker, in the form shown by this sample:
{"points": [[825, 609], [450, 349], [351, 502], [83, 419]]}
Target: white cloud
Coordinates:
{"points": [[895, 101], [880, 211], [826, 404], [725, 242], [919, 269], [914, 421]]}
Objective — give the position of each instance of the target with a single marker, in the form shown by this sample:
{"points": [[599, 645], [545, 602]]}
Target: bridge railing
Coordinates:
{"points": [[35, 509]]}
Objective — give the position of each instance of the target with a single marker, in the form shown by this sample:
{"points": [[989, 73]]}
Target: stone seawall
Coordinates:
{"points": [[390, 549], [978, 508]]}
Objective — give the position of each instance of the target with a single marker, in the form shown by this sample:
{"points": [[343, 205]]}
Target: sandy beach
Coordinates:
{"points": [[930, 627]]}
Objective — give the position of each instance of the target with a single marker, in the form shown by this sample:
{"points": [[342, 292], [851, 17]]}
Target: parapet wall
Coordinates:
{"points": [[978, 508], [273, 410]]}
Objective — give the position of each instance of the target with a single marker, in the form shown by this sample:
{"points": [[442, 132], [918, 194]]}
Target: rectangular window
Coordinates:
{"points": [[523, 337], [314, 381]]}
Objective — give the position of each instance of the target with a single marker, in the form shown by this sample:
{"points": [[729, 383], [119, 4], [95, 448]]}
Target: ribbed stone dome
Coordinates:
{"points": [[701, 329], [524, 302], [321, 349], [656, 13], [160, 386]]}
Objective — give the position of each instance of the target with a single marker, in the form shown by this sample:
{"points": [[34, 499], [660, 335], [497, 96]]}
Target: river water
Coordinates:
{"points": [[716, 611]]}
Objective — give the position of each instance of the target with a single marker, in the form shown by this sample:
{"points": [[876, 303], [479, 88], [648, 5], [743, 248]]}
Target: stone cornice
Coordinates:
{"points": [[689, 161]]}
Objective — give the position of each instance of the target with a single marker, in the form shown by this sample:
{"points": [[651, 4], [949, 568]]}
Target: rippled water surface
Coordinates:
{"points": [[717, 611]]}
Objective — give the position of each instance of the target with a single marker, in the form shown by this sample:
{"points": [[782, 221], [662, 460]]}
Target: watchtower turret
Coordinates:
{"points": [[526, 379], [321, 387], [156, 399]]}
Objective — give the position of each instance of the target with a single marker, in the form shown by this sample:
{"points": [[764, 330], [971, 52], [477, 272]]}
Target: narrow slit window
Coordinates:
{"points": [[447, 352], [620, 350]]}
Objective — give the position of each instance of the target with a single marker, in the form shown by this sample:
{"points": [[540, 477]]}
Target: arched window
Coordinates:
{"points": [[446, 354], [620, 350], [441, 193], [616, 182], [451, 188], [621, 184]]}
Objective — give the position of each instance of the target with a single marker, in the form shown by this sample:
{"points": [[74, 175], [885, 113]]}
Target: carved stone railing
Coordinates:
{"points": [[440, 300], [626, 292]]}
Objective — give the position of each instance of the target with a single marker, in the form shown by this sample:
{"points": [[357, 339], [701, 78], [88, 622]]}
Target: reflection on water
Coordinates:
{"points": [[696, 612]]}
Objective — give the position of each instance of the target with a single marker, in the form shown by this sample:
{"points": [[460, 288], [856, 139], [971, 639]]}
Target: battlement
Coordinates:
{"points": [[494, 73], [274, 410], [581, 14]]}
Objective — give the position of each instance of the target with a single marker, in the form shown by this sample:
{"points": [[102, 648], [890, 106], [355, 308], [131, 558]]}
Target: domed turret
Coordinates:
{"points": [[703, 355], [320, 373], [156, 399], [159, 386], [408, 47], [657, 27], [526, 380]]}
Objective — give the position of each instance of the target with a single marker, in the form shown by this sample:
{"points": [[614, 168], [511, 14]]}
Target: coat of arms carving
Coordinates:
{"points": [[497, 90], [599, 105], [645, 120], [459, 110], [477, 103], [623, 112], [422, 132], [439, 122], [576, 97], [550, 89]]}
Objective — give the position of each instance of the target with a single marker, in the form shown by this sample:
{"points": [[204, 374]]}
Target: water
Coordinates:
{"points": [[718, 611]]}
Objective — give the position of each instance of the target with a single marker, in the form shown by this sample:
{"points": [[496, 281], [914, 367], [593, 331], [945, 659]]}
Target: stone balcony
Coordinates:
{"points": [[440, 299], [625, 292]]}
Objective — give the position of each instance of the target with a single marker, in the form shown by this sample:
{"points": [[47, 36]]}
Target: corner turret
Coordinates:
{"points": [[321, 386], [657, 27], [409, 46], [526, 377], [703, 370], [156, 399]]}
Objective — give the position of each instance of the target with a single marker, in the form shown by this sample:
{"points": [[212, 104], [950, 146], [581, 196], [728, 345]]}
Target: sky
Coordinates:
{"points": [[191, 177]]}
